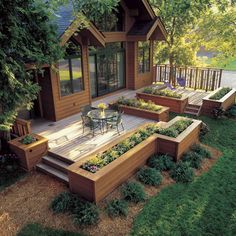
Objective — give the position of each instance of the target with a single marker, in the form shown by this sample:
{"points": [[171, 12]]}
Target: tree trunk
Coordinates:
{"points": [[171, 78]]}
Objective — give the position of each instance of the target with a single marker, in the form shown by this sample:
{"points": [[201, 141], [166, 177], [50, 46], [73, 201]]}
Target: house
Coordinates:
{"points": [[115, 53]]}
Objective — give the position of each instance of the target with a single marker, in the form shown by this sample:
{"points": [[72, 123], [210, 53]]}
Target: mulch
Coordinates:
{"points": [[28, 201]]}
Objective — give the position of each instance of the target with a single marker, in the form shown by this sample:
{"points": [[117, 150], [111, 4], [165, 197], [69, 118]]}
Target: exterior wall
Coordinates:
{"points": [[71, 104]]}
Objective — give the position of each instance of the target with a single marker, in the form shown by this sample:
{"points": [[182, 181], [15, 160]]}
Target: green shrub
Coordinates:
{"points": [[149, 176], [161, 162], [28, 139], [231, 112], [220, 94], [117, 208], [64, 202], [202, 151], [162, 92], [182, 172], [86, 214], [194, 159], [133, 192]]}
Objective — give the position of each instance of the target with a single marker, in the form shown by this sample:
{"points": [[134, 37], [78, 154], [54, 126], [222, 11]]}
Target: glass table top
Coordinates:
{"points": [[102, 115]]}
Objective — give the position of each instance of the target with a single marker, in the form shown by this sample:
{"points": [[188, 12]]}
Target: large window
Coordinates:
{"points": [[144, 51], [70, 71], [112, 22]]}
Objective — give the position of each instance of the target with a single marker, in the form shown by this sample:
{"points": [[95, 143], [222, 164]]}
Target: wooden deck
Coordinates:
{"points": [[66, 137]]}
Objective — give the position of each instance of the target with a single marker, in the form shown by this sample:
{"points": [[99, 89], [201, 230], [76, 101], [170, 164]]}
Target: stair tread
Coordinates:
{"points": [[191, 113], [56, 161], [54, 172], [192, 108]]}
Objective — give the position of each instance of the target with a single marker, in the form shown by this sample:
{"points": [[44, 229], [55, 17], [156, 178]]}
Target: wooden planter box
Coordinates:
{"points": [[176, 105], [30, 154], [226, 102], [175, 147], [162, 115], [95, 186]]}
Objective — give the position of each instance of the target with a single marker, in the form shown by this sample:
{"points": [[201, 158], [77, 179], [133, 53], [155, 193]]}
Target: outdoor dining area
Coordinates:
{"points": [[101, 119]]}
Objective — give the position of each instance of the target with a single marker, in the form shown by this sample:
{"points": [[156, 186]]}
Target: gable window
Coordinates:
{"points": [[70, 70], [144, 54]]}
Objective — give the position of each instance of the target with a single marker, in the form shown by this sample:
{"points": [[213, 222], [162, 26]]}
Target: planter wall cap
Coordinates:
{"points": [[207, 98]]}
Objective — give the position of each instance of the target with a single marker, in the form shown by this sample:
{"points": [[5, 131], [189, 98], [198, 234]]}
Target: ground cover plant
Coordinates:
{"points": [[10, 170], [161, 162], [149, 176], [220, 94], [38, 230], [139, 103], [205, 206], [117, 208], [177, 128], [162, 92], [231, 112], [84, 213]]}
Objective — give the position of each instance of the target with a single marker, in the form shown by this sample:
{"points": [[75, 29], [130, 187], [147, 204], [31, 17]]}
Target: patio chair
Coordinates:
{"points": [[86, 109], [88, 122], [181, 81], [115, 122], [168, 85]]}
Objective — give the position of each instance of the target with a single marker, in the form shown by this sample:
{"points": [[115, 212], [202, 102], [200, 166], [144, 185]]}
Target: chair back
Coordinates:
{"points": [[85, 109], [21, 127], [181, 81], [168, 85], [119, 117]]}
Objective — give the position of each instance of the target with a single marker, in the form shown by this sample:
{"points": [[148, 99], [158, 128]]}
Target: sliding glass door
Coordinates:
{"points": [[107, 69]]}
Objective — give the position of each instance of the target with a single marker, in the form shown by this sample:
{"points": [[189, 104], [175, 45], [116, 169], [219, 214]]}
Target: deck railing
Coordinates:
{"points": [[207, 79]]}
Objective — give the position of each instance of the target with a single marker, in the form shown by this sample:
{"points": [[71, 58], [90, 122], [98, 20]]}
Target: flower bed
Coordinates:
{"points": [[177, 136], [174, 101], [30, 149], [141, 108], [129, 153], [226, 99]]}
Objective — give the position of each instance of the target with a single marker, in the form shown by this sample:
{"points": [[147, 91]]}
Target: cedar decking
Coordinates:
{"points": [[67, 140]]}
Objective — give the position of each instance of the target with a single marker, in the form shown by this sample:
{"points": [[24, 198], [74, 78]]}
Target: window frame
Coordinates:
{"points": [[144, 69], [69, 58]]}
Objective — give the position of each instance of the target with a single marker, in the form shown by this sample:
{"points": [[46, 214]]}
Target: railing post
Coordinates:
{"points": [[219, 84]]}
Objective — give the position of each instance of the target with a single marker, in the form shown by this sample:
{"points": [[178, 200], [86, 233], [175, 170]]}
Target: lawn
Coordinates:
{"points": [[205, 207], [38, 230]]}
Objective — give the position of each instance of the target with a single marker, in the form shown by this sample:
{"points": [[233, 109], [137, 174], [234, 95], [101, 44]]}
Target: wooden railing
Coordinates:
{"points": [[207, 79]]}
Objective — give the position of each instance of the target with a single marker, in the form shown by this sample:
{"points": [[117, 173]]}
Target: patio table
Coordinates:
{"points": [[102, 117]]}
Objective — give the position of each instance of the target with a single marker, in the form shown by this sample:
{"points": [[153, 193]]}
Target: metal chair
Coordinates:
{"points": [[86, 109], [115, 122], [88, 122]]}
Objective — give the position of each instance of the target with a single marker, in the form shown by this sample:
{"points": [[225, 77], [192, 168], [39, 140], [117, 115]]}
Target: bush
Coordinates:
{"points": [[203, 130], [86, 214], [231, 112], [117, 208], [133, 192], [194, 159], [182, 172], [203, 152], [220, 94], [218, 112], [64, 202], [149, 176], [161, 162]]}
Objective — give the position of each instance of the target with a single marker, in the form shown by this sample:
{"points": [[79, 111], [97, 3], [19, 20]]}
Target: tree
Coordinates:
{"points": [[26, 36], [180, 19]]}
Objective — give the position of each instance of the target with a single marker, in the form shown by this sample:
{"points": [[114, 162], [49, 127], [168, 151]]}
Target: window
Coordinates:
{"points": [[112, 22], [144, 57], [70, 71]]}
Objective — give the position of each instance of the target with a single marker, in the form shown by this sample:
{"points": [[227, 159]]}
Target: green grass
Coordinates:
{"points": [[207, 206], [38, 230]]}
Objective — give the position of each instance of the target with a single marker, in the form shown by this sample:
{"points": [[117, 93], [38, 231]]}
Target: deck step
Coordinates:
{"points": [[53, 172], [192, 109], [55, 163], [66, 160]]}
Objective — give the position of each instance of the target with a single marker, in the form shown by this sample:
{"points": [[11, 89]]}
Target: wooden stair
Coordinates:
{"points": [[54, 167], [192, 109]]}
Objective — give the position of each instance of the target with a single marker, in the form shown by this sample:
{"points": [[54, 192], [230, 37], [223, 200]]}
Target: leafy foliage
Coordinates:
{"points": [[218, 112], [28, 139], [117, 208], [193, 159], [231, 112], [199, 149], [139, 103], [133, 192], [182, 172], [220, 94], [26, 37], [161, 162], [149, 176], [162, 92]]}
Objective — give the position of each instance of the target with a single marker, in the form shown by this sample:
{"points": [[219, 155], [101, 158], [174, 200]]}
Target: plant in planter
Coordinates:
{"points": [[220, 94], [28, 139], [163, 92], [102, 107]]}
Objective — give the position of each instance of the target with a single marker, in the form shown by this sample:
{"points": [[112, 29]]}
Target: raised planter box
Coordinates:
{"points": [[161, 115], [176, 105], [30, 154], [226, 102], [95, 186], [175, 147]]}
